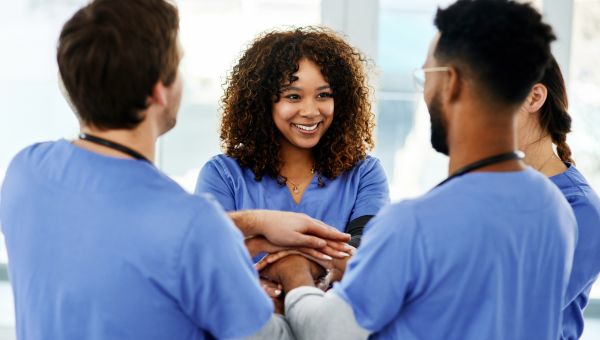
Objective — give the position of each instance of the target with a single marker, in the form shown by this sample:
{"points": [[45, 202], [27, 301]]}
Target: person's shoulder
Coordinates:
{"points": [[369, 161], [578, 191], [33, 155], [39, 150], [367, 165], [572, 182], [223, 164]]}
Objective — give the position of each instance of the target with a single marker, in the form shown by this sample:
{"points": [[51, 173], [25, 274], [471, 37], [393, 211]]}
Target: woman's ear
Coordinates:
{"points": [[536, 98]]}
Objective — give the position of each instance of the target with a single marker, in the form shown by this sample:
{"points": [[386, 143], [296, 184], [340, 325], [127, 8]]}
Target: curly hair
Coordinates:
{"points": [[248, 132]]}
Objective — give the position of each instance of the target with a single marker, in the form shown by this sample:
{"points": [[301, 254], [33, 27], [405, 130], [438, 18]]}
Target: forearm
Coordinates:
{"points": [[247, 221], [313, 314], [299, 278]]}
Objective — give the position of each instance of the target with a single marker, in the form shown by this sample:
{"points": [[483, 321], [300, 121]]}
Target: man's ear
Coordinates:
{"points": [[453, 84], [158, 95], [536, 98]]}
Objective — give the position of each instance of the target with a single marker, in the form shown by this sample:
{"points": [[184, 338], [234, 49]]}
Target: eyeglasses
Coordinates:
{"points": [[419, 75]]}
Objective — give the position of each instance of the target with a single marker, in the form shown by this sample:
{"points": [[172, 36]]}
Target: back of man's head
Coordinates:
{"points": [[111, 54], [502, 45]]}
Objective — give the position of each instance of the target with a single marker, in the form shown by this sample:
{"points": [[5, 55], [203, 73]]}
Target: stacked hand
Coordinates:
{"points": [[280, 230], [301, 250]]}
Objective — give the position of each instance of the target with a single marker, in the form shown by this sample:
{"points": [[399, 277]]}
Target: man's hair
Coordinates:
{"points": [[503, 45], [110, 55]]}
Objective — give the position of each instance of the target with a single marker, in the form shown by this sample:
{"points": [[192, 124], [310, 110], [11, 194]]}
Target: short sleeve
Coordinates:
{"points": [[219, 287], [213, 180], [373, 191], [387, 270]]}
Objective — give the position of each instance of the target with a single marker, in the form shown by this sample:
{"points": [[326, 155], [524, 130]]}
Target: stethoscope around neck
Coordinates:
{"points": [[499, 158]]}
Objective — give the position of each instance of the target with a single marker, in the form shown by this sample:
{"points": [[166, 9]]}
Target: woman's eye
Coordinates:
{"points": [[293, 97], [325, 95]]}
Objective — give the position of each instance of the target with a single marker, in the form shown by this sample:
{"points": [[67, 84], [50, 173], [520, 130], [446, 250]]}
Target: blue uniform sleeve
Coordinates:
{"points": [[388, 270], [586, 263], [373, 190], [213, 179], [219, 287]]}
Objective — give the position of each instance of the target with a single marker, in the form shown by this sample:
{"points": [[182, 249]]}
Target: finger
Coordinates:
{"points": [[309, 241], [262, 264], [341, 246], [315, 255], [320, 229], [272, 258], [272, 291], [268, 247], [334, 252]]}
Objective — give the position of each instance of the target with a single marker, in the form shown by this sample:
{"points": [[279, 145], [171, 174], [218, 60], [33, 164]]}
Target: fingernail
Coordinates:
{"points": [[343, 254], [277, 291], [327, 257]]}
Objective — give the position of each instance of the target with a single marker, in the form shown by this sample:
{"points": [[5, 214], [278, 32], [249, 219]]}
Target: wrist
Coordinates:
{"points": [[296, 280], [295, 273], [246, 221]]}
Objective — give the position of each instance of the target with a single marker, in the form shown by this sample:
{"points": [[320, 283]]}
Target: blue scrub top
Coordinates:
{"points": [[361, 191], [485, 256], [110, 248], [586, 263]]}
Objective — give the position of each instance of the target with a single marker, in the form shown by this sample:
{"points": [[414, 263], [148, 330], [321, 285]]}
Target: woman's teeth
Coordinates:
{"points": [[306, 127]]}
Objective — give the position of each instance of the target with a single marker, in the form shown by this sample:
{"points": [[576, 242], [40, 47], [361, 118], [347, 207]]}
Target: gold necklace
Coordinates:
{"points": [[546, 162], [296, 187]]}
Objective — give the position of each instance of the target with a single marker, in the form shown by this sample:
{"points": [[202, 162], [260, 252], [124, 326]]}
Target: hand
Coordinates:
{"points": [[259, 244], [335, 267], [273, 290], [294, 271], [276, 256], [294, 230]]}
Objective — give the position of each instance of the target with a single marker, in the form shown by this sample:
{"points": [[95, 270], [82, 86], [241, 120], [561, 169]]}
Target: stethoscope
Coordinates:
{"points": [[113, 145], [503, 157]]}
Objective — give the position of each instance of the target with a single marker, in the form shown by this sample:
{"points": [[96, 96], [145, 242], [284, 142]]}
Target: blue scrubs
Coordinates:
{"points": [[485, 256], [586, 263], [109, 248], [361, 191]]}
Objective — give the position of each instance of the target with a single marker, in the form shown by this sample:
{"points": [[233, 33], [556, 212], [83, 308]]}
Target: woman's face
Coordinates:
{"points": [[304, 111]]}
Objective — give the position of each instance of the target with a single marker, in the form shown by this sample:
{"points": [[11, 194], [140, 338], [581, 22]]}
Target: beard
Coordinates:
{"points": [[439, 133]]}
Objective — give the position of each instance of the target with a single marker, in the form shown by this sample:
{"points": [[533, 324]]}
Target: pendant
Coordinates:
{"points": [[295, 189]]}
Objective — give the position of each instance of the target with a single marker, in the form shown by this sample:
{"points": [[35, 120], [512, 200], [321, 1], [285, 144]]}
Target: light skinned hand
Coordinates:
{"points": [[259, 244], [295, 230]]}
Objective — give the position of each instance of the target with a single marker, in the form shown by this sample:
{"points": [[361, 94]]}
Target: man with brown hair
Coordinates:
{"points": [[101, 244]]}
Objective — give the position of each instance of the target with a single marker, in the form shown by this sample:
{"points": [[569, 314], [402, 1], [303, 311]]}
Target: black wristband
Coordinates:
{"points": [[355, 229]]}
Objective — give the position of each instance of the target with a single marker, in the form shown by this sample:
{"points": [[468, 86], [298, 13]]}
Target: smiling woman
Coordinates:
{"points": [[296, 127], [305, 110]]}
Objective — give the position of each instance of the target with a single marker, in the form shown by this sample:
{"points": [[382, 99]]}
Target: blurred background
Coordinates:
{"points": [[394, 34]]}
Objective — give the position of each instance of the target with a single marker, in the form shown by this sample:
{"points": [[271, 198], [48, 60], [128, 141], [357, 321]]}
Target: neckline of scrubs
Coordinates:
{"points": [[308, 187]]}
